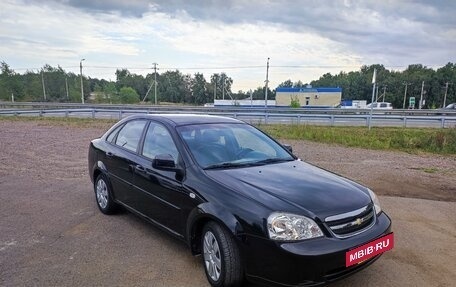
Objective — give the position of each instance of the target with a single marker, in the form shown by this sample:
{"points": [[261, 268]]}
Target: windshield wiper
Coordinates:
{"points": [[227, 165], [246, 164], [272, 160]]}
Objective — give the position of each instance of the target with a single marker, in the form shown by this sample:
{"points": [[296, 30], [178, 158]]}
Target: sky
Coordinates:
{"points": [[303, 39]]}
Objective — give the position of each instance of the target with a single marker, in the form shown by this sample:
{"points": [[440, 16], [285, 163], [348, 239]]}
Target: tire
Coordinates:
{"points": [[221, 257], [103, 195]]}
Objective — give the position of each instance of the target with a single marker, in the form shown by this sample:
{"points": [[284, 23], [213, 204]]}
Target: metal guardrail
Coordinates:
{"points": [[229, 109], [272, 116]]}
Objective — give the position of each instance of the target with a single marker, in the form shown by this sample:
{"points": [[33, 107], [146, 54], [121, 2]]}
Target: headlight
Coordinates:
{"points": [[376, 202], [286, 226]]}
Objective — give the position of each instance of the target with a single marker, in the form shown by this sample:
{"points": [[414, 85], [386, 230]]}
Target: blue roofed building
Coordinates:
{"points": [[324, 97]]}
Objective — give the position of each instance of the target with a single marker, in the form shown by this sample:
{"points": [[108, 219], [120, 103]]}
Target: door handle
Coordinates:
{"points": [[139, 168], [109, 154]]}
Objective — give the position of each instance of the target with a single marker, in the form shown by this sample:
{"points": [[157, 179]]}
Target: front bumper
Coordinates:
{"points": [[306, 263]]}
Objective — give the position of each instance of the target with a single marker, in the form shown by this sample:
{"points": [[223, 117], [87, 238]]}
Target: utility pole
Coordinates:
{"points": [[223, 86], [266, 86], [384, 93], [82, 85], [405, 94], [421, 97], [155, 81], [42, 82], [446, 91], [215, 89], [374, 80], [376, 93], [66, 86], [251, 97]]}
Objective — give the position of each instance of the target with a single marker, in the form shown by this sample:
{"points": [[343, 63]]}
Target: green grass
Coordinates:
{"points": [[412, 140]]}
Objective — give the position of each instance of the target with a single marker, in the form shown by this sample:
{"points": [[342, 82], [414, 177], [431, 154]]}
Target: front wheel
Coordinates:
{"points": [[221, 258], [103, 195]]}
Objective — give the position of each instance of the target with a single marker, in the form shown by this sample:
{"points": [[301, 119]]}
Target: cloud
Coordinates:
{"points": [[321, 36], [376, 30]]}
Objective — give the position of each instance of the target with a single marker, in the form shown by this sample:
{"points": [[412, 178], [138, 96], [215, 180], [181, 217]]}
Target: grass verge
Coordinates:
{"points": [[411, 140]]}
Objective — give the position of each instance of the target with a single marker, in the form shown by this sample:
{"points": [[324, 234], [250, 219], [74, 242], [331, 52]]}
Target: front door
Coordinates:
{"points": [[161, 191]]}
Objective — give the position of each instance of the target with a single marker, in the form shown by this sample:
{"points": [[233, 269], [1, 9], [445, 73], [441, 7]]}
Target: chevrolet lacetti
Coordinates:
{"points": [[241, 200]]}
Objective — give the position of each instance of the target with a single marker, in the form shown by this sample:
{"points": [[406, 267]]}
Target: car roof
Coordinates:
{"points": [[186, 119]]}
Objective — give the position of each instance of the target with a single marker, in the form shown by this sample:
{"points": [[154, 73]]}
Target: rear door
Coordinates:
{"points": [[120, 157]]}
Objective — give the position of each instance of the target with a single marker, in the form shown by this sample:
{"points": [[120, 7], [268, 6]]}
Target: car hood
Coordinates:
{"points": [[317, 192]]}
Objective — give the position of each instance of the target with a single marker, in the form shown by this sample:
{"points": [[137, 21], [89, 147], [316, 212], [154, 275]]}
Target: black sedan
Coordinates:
{"points": [[243, 201]]}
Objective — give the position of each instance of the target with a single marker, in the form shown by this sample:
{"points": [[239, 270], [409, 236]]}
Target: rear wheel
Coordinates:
{"points": [[103, 195], [221, 258]]}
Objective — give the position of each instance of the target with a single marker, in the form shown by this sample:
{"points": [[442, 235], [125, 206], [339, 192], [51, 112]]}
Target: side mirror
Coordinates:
{"points": [[288, 147], [164, 162]]}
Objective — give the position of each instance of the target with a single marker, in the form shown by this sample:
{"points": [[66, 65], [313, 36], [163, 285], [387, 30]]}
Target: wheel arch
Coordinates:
{"points": [[98, 168], [205, 213]]}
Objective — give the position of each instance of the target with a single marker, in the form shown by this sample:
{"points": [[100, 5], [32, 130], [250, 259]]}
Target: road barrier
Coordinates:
{"points": [[333, 117]]}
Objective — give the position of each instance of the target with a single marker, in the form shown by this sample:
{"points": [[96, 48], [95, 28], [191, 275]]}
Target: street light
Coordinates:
{"points": [[405, 93], [82, 87], [266, 86]]}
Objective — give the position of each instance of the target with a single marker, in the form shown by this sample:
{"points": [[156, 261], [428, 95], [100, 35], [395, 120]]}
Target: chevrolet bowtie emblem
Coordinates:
{"points": [[358, 221]]}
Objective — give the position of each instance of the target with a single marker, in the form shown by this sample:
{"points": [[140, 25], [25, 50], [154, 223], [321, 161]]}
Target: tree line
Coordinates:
{"points": [[55, 84], [392, 84]]}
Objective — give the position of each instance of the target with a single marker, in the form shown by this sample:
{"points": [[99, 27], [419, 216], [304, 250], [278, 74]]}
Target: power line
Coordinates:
{"points": [[217, 67], [155, 81]]}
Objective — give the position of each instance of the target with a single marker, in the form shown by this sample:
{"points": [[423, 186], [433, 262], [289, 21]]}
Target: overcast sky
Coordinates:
{"points": [[304, 39]]}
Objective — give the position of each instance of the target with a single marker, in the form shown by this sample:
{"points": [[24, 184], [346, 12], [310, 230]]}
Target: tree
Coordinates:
{"points": [[125, 79], [444, 75], [128, 95], [9, 83], [221, 83], [287, 84], [200, 93], [173, 87], [32, 87], [111, 93], [258, 94], [54, 79]]}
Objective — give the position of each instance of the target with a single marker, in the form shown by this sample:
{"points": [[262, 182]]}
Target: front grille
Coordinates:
{"points": [[350, 223]]}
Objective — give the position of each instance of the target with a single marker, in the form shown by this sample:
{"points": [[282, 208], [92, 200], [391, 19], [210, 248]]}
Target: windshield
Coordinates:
{"points": [[231, 145]]}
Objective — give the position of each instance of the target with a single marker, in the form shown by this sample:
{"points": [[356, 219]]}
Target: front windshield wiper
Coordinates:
{"points": [[227, 165], [248, 163], [272, 160]]}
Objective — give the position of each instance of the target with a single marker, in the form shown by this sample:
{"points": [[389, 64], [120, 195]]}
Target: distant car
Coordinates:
{"points": [[380, 106], [448, 110], [243, 201]]}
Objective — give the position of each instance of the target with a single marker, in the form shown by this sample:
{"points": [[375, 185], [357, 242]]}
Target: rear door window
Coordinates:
{"points": [[130, 135]]}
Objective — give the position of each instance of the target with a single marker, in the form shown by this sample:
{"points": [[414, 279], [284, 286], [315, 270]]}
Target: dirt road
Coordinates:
{"points": [[52, 234]]}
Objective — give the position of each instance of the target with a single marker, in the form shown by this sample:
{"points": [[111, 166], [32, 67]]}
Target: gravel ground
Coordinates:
{"points": [[52, 234], [398, 174]]}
